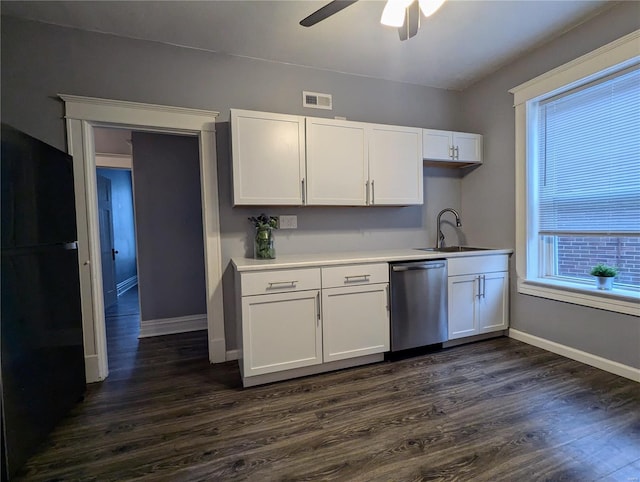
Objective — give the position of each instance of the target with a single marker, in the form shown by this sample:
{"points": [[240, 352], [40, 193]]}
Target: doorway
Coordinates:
{"points": [[82, 115], [167, 227]]}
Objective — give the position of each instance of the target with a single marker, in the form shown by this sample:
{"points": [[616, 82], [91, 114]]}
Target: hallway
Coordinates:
{"points": [[122, 322]]}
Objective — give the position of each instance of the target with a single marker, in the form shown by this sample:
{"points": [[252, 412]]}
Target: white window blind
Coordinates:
{"points": [[589, 159]]}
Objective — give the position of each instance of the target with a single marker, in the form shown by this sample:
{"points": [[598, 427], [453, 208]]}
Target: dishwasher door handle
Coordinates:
{"points": [[418, 267]]}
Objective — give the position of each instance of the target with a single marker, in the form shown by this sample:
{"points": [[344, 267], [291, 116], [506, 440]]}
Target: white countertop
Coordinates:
{"points": [[353, 257]]}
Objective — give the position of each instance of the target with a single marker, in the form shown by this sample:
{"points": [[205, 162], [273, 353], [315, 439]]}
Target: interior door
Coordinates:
{"points": [[107, 249]]}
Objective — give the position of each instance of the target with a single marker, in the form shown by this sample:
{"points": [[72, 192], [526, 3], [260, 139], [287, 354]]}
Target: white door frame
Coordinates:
{"points": [[82, 114]]}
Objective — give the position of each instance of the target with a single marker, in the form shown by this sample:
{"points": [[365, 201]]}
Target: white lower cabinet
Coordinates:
{"points": [[478, 291], [281, 331], [286, 322], [355, 321]]}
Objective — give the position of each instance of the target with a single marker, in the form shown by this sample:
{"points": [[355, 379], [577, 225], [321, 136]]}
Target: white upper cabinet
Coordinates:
{"points": [[437, 145], [283, 159], [453, 148], [337, 168], [395, 165], [268, 152], [468, 147]]}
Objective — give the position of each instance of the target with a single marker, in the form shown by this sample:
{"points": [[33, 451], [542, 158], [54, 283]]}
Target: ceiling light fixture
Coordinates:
{"points": [[429, 7], [394, 11]]}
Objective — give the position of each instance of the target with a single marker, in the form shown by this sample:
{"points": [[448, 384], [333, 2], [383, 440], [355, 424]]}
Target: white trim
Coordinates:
{"points": [[82, 114], [139, 114], [126, 285], [473, 338], [170, 326], [115, 161], [578, 355], [311, 370], [91, 368], [582, 296], [615, 55], [606, 57], [233, 355]]}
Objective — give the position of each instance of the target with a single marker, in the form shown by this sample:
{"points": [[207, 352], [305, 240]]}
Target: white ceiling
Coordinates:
{"points": [[463, 42]]}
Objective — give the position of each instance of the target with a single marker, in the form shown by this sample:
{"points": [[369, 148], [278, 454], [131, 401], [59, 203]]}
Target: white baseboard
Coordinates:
{"points": [[91, 372], [170, 326], [578, 355], [233, 355], [126, 285]]}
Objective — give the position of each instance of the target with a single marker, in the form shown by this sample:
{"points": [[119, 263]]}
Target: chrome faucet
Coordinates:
{"points": [[440, 239]]}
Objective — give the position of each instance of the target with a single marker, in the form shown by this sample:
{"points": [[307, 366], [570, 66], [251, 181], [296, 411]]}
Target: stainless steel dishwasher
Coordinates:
{"points": [[418, 303]]}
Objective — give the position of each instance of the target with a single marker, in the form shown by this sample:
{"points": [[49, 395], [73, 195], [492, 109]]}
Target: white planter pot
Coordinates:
{"points": [[604, 282]]}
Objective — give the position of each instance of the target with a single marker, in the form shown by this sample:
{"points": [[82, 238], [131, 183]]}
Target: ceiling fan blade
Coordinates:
{"points": [[326, 11], [411, 22]]}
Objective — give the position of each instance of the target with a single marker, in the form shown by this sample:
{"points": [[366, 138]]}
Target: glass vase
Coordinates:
{"points": [[263, 247]]}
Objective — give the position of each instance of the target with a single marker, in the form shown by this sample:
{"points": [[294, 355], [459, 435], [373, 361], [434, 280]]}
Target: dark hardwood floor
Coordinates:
{"points": [[497, 410]]}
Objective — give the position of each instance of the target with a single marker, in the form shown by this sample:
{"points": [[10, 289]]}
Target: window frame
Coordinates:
{"points": [[613, 57]]}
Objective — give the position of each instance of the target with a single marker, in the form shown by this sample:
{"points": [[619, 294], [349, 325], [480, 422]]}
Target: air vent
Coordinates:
{"points": [[315, 100]]}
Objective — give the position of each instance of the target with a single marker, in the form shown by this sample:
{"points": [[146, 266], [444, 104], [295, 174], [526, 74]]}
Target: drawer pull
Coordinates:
{"points": [[356, 277], [282, 284]]}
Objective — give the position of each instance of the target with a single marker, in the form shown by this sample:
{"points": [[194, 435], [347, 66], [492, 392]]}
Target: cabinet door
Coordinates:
{"points": [[463, 306], [493, 302], [281, 331], [437, 145], [468, 147], [395, 165], [355, 321], [336, 162], [268, 152]]}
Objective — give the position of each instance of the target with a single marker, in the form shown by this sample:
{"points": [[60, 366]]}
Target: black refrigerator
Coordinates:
{"points": [[42, 375]]}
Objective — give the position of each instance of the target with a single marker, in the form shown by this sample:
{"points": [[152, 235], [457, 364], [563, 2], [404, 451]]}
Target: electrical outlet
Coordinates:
{"points": [[288, 222]]}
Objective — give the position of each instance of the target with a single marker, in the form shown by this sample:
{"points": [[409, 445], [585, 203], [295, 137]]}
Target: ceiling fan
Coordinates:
{"points": [[404, 14]]}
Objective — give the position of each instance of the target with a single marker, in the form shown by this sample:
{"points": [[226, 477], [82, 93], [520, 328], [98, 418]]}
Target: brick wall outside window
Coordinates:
{"points": [[577, 255]]}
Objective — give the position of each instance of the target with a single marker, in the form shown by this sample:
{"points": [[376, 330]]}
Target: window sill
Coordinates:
{"points": [[617, 300]]}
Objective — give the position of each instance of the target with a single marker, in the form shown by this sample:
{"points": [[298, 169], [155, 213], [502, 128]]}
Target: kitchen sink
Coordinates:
{"points": [[453, 249]]}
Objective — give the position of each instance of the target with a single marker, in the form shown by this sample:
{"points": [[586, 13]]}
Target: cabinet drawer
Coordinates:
{"points": [[477, 264], [355, 274], [279, 281]]}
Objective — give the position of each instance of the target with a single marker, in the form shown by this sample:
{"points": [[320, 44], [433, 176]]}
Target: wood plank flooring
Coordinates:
{"points": [[497, 410]]}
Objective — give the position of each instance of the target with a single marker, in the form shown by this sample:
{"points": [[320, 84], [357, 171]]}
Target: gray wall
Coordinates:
{"points": [[488, 193], [166, 172], [39, 61], [124, 238]]}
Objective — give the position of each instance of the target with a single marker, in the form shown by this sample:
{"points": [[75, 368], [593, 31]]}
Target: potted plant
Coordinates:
{"points": [[604, 276], [263, 247]]}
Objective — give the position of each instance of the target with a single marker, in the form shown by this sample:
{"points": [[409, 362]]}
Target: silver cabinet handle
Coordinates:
{"points": [[457, 149], [318, 322], [479, 295], [451, 152], [373, 192], [388, 298], [304, 196], [356, 277], [484, 286], [418, 267], [366, 188], [287, 284]]}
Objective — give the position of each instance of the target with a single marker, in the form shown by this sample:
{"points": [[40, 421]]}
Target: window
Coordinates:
{"points": [[578, 178], [586, 168]]}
